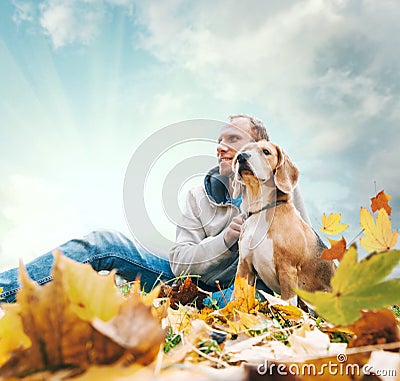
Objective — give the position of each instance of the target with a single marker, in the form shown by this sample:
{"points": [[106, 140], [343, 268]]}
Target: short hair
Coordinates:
{"points": [[258, 129]]}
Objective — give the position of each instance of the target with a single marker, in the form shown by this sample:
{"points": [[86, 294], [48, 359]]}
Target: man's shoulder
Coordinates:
{"points": [[198, 192]]}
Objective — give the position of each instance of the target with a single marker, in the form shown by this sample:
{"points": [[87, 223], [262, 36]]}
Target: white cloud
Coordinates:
{"points": [[382, 167], [69, 21], [120, 2], [297, 60], [24, 11]]}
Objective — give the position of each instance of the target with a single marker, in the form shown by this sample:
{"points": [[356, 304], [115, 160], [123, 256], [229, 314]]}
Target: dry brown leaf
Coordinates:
{"points": [[134, 328], [183, 293], [375, 327]]}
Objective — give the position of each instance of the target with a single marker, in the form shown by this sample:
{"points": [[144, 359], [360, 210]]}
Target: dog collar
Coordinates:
{"points": [[268, 206]]}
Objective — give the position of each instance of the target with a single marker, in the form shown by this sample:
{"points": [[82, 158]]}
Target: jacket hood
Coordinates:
{"points": [[216, 186]]}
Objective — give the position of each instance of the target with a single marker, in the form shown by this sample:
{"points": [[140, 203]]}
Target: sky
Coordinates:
{"points": [[83, 83]]}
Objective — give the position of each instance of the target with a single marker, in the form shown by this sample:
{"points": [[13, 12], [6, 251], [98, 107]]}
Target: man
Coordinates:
{"points": [[206, 242], [207, 237]]}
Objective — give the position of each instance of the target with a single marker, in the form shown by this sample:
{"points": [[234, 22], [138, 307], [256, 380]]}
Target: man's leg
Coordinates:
{"points": [[104, 250]]}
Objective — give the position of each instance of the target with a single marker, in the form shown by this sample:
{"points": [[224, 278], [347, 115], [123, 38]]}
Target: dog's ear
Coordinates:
{"points": [[237, 187], [286, 174]]}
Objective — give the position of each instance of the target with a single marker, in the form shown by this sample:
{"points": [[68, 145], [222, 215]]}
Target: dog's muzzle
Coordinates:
{"points": [[242, 157], [243, 164]]}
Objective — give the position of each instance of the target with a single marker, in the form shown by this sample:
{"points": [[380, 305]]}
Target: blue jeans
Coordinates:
{"points": [[104, 250]]}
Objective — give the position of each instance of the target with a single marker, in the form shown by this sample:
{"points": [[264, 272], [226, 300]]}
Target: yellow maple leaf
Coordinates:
{"points": [[378, 237], [244, 298], [98, 297], [331, 224], [12, 336]]}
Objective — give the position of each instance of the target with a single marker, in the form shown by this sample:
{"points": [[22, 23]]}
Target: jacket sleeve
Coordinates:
{"points": [[198, 252], [299, 204]]}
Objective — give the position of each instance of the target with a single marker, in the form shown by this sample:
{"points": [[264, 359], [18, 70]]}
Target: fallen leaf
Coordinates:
{"points": [[117, 372], [56, 321], [381, 200], [98, 297], [288, 312], [357, 286], [375, 327], [336, 251], [331, 224], [247, 323], [135, 329], [17, 340], [379, 236], [183, 293], [59, 337], [160, 307], [244, 295], [179, 320]]}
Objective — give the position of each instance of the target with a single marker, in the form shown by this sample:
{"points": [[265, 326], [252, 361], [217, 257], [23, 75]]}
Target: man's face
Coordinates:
{"points": [[232, 138]]}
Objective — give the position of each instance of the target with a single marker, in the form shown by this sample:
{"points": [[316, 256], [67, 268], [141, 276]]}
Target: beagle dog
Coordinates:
{"points": [[275, 242]]}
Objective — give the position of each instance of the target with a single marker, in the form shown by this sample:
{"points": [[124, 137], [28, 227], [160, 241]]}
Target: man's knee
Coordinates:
{"points": [[108, 240]]}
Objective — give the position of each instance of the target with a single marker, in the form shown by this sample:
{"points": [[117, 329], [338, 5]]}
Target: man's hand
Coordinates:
{"points": [[232, 232]]}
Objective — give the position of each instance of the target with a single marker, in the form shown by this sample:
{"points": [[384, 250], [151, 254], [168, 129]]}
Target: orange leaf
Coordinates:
{"points": [[337, 250], [381, 200], [375, 327]]}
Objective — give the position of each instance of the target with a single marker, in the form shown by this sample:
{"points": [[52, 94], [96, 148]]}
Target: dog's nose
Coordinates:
{"points": [[242, 157]]}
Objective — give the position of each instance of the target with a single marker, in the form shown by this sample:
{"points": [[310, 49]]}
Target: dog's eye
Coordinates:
{"points": [[266, 152]]}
